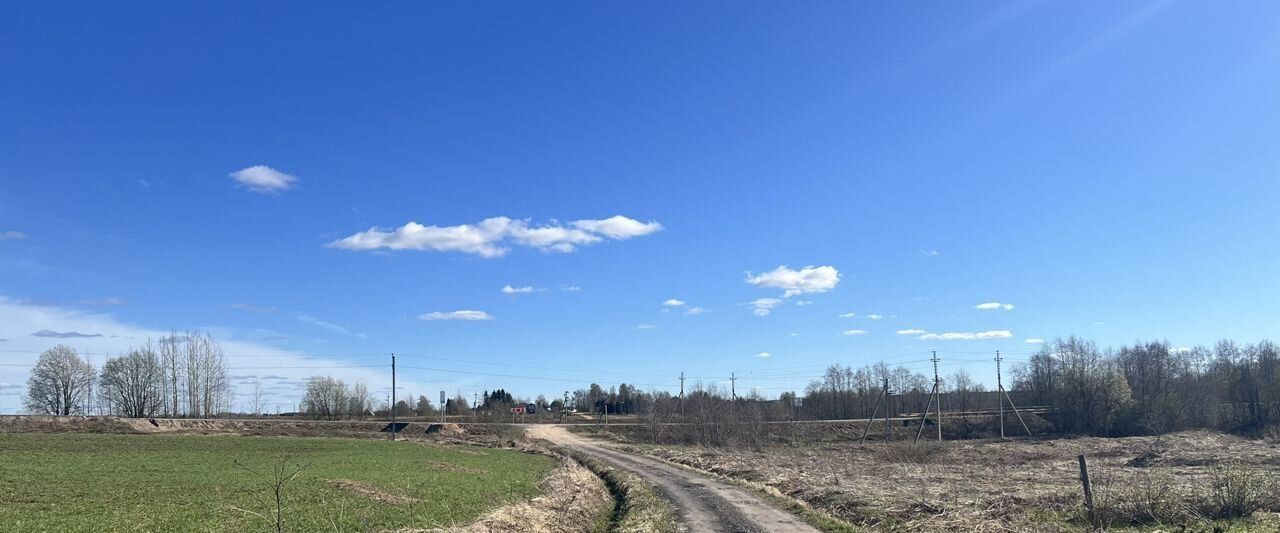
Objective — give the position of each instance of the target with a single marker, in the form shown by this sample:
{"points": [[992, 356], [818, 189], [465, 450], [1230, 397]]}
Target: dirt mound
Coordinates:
{"points": [[365, 489], [58, 424]]}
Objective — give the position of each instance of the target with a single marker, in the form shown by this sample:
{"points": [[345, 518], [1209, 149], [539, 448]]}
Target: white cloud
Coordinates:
{"points": [[263, 179], [12, 235], [793, 334], [463, 314], [912, 331], [809, 279], [968, 336], [507, 289], [1099, 323], [330, 326], [646, 326], [847, 315], [930, 253], [672, 302], [992, 306], [853, 332], [763, 306], [618, 227], [110, 300], [874, 317], [1034, 340], [764, 354], [489, 238], [804, 302], [571, 288], [696, 310]]}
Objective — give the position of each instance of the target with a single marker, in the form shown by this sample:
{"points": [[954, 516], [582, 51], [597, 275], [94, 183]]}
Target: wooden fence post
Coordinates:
{"points": [[1088, 491]]}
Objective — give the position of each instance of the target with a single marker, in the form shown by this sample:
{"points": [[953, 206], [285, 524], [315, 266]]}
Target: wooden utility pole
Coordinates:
{"points": [[1003, 396], [733, 386], [393, 396], [682, 396], [999, 393], [925, 415], [874, 410]]}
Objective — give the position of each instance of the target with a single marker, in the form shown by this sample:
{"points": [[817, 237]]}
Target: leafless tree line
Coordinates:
{"points": [[327, 398], [1152, 387], [178, 376]]}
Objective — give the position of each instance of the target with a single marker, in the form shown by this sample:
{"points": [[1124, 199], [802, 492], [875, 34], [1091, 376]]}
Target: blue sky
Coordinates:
{"points": [[1108, 169]]}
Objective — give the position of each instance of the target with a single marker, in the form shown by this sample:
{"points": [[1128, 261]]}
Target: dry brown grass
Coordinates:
{"points": [[574, 502], [983, 485]]}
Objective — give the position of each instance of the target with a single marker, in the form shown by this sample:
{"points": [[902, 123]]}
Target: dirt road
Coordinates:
{"points": [[702, 503]]}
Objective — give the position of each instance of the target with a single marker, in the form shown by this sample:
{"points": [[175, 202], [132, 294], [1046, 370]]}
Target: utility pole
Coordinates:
{"points": [[883, 393], [1000, 393], [937, 388], [393, 396], [733, 386], [564, 405], [682, 396], [933, 395], [888, 404]]}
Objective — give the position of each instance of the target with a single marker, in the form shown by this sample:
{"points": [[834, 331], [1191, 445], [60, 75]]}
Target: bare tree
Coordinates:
{"points": [[169, 350], [280, 476], [258, 400], [130, 384], [326, 398], [360, 402], [59, 382]]}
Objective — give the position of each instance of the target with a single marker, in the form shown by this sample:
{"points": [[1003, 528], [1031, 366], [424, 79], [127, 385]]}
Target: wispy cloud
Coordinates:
{"points": [[330, 326], [263, 179], [807, 280], [672, 302], [853, 332], [507, 289], [646, 326], [571, 288], [994, 306], [12, 235], [967, 336], [764, 355], [253, 308], [463, 314], [110, 300], [696, 311], [912, 331], [763, 306], [804, 302], [493, 237], [847, 315], [64, 335], [930, 253], [1034, 340]]}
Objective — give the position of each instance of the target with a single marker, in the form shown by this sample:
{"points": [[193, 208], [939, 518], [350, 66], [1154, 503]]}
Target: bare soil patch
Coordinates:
{"points": [[365, 489], [450, 467]]}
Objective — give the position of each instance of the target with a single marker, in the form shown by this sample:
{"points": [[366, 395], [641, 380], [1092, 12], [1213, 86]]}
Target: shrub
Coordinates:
{"points": [[1236, 492]]}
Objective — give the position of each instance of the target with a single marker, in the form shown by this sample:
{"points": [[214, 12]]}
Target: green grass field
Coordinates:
{"points": [[91, 482]]}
